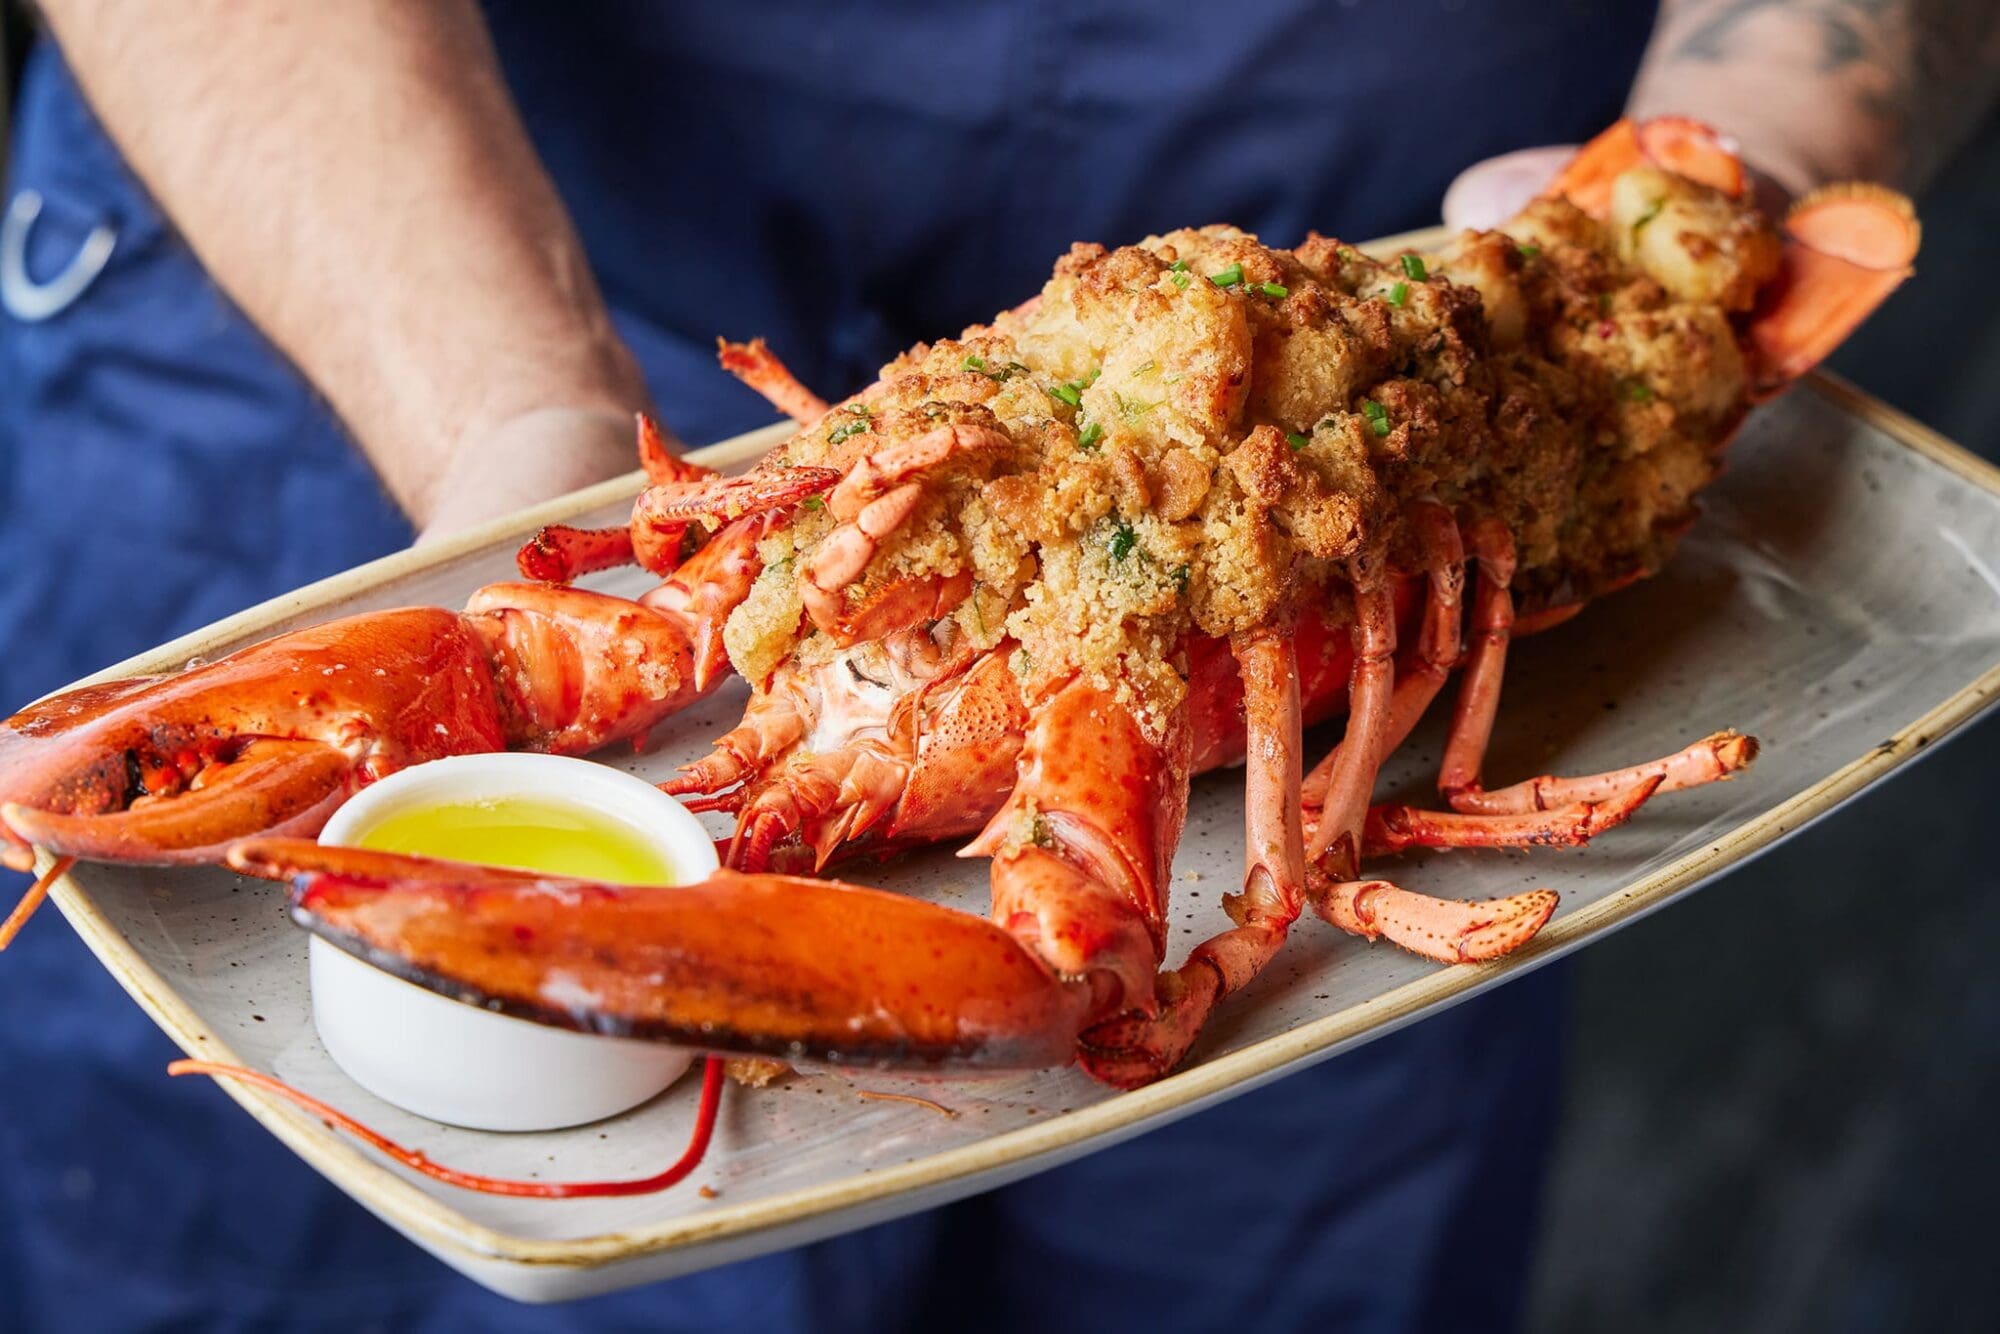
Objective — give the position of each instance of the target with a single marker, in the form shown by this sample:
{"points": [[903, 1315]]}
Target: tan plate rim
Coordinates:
{"points": [[437, 1223]]}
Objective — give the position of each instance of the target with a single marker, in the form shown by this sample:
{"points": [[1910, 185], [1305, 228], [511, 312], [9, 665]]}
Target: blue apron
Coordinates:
{"points": [[843, 181]]}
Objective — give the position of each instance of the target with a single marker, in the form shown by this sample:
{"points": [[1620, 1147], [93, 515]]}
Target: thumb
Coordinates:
{"points": [[1488, 193]]}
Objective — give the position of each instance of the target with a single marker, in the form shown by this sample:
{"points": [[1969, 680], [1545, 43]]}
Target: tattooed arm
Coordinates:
{"points": [[1825, 90], [1814, 90]]}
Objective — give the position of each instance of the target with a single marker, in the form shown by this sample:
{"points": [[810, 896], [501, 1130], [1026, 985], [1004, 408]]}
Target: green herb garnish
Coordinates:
{"points": [[1414, 267], [1229, 277], [1297, 441], [1377, 415], [1399, 294], [1274, 290], [814, 503], [1638, 391], [972, 363], [1123, 539], [1179, 574], [1648, 215], [1088, 437], [841, 433], [1066, 393], [1528, 251]]}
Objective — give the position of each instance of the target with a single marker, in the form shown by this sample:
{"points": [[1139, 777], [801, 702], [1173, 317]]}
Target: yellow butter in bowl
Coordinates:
{"points": [[525, 834], [455, 1062]]}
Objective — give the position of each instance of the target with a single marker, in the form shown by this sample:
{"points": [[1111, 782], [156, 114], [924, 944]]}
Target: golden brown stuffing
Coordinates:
{"points": [[1207, 431]]}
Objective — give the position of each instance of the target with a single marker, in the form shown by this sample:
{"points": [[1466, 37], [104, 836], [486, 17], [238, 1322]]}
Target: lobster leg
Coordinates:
{"points": [[560, 554], [1368, 719], [774, 721], [1393, 829], [1714, 758], [757, 366], [1438, 642], [1585, 802], [1486, 662], [874, 499], [1446, 930], [1134, 1049]]}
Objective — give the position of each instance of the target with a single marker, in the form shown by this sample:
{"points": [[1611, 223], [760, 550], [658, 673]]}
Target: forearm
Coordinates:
{"points": [[355, 176], [1825, 90]]}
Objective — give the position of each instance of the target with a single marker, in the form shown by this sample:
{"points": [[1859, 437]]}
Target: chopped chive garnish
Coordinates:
{"points": [[1179, 574], [1066, 393], [1278, 290], [1377, 415], [841, 433], [1413, 266], [860, 409], [1648, 215], [1399, 294], [1178, 266], [1229, 277], [972, 363], [1123, 539], [1528, 251], [1179, 280], [814, 503], [1091, 378], [1638, 391], [1297, 441], [1088, 437]]}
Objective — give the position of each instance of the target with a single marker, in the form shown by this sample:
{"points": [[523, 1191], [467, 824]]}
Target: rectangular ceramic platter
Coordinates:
{"points": [[1840, 599]]}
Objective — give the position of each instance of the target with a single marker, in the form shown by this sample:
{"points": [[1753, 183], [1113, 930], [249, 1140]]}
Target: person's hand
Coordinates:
{"points": [[526, 459], [1488, 193]]}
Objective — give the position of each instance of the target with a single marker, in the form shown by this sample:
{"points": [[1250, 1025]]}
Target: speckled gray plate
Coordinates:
{"points": [[1840, 598]]}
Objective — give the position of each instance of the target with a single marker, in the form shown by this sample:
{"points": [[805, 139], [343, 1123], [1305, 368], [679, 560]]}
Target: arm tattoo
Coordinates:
{"points": [[1928, 70]]}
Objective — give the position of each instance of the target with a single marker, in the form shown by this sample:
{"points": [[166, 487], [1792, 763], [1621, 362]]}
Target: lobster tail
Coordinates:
{"points": [[1845, 247]]}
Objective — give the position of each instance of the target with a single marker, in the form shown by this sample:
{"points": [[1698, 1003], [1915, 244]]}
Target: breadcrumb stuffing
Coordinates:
{"points": [[1198, 434]]}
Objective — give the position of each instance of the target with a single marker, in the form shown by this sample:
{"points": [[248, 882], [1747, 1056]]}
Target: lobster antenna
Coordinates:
{"points": [[704, 1130], [32, 900]]}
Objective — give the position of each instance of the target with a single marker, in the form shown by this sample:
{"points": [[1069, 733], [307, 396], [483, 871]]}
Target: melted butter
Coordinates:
{"points": [[527, 834]]}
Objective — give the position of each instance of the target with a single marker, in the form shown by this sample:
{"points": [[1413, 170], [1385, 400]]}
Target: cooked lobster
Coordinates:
{"points": [[1195, 496]]}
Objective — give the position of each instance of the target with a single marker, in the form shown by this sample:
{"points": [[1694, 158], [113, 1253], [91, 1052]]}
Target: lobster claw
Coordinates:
{"points": [[772, 964], [276, 785], [271, 738]]}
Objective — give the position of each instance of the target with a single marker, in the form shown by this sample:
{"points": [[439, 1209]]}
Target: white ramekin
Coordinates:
{"points": [[457, 1063]]}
